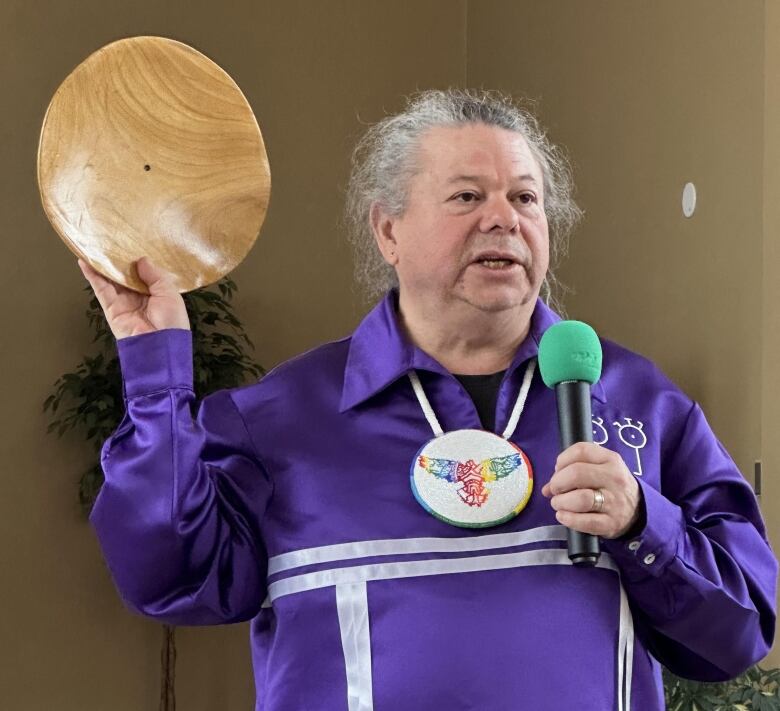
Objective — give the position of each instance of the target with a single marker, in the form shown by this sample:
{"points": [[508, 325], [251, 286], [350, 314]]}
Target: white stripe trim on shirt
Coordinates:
{"points": [[352, 607], [351, 595], [416, 568], [406, 546]]}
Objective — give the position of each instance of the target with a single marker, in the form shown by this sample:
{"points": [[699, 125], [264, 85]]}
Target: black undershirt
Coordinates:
{"points": [[483, 390]]}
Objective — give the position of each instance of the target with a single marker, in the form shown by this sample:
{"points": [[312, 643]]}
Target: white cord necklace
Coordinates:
{"points": [[472, 478]]}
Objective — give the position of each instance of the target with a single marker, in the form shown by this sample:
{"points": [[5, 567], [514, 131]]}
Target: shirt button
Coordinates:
{"points": [[633, 545], [649, 558]]}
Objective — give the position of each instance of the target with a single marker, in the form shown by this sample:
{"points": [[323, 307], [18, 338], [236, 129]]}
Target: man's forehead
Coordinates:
{"points": [[467, 151], [466, 178]]}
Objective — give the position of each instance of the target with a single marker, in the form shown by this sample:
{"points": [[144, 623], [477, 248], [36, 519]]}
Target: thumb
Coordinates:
{"points": [[158, 281]]}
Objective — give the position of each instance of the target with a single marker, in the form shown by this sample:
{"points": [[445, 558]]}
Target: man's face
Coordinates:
{"points": [[477, 194]]}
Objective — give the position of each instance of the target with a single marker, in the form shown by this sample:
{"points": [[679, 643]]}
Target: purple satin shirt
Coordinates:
{"points": [[288, 502]]}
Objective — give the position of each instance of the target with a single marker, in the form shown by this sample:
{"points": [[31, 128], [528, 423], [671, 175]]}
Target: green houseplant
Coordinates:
{"points": [[757, 689], [89, 399]]}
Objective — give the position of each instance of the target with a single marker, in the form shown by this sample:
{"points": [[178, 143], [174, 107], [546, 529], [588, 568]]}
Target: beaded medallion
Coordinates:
{"points": [[471, 478]]}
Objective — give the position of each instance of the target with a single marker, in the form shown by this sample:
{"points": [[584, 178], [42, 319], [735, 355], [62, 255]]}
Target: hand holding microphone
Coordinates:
{"points": [[593, 492], [583, 469]]}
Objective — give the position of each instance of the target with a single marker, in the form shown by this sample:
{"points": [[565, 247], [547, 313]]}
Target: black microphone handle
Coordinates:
{"points": [[574, 421]]}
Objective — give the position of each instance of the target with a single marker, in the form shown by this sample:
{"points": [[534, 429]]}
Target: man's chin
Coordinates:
{"points": [[498, 300], [498, 294]]}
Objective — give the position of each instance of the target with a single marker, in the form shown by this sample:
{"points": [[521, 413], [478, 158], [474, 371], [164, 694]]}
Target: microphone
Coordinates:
{"points": [[570, 362]]}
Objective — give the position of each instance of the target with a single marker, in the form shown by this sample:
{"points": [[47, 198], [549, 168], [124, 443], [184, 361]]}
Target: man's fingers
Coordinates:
{"points": [[158, 280], [596, 524], [86, 270], [105, 289], [578, 501], [584, 452], [579, 475], [90, 274]]}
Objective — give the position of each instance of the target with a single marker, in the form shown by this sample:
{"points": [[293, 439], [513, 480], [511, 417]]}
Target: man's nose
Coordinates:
{"points": [[499, 214]]}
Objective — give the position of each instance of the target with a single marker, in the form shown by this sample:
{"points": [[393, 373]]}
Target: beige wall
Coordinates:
{"points": [[309, 69], [649, 96], [770, 371], [645, 95]]}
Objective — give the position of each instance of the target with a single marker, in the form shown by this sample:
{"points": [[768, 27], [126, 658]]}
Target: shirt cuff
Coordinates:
{"points": [[156, 361], [654, 546]]}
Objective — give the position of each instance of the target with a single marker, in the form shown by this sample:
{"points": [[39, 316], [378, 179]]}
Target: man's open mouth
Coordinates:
{"points": [[496, 263]]}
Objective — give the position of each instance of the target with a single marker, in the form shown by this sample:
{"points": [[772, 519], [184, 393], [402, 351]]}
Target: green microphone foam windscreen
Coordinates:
{"points": [[569, 350]]}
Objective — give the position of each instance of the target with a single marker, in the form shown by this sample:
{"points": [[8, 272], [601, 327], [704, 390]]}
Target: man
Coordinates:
{"points": [[296, 501]]}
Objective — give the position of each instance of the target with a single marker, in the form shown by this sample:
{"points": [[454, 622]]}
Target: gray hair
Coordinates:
{"points": [[383, 163]]}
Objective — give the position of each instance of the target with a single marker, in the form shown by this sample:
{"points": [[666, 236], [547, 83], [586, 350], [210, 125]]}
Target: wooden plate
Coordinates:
{"points": [[149, 148]]}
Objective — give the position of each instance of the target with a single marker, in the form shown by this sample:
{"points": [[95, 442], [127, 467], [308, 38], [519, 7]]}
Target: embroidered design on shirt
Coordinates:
{"points": [[471, 475], [632, 435], [600, 434]]}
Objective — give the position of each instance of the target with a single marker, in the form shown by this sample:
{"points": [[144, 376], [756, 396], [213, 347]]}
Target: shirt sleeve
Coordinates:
{"points": [[700, 575], [178, 517]]}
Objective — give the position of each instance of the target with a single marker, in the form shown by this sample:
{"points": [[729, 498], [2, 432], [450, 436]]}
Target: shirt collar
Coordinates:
{"points": [[380, 352]]}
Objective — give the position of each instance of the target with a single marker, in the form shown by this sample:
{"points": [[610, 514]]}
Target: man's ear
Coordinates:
{"points": [[382, 225]]}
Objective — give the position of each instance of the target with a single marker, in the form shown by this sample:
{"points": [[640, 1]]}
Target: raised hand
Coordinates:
{"points": [[130, 313]]}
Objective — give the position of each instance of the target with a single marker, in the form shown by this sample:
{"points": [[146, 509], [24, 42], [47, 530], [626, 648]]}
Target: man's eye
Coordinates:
{"points": [[526, 198], [466, 197]]}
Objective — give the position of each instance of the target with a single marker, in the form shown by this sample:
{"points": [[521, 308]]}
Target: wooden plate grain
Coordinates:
{"points": [[149, 148]]}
